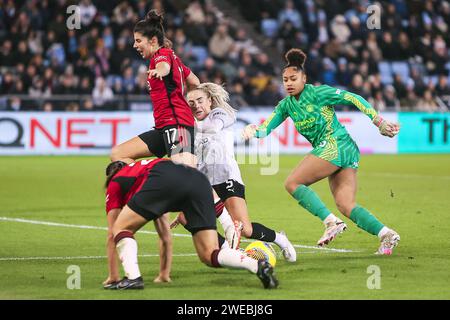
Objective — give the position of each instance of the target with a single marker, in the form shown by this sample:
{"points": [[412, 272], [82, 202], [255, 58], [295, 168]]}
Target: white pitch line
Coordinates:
{"points": [[77, 226], [87, 257], [65, 225]]}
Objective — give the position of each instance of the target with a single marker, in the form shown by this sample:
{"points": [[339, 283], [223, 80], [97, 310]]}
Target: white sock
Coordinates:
{"points": [[235, 259], [281, 240], [330, 218], [225, 219], [383, 232], [225, 245], [127, 251]]}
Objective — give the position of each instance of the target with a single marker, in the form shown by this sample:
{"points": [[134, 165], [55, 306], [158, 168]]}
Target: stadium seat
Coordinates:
{"points": [[401, 68], [386, 72], [201, 53]]}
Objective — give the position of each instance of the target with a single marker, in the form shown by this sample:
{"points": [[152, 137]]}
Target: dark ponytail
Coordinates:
{"points": [[112, 169], [152, 26], [295, 58]]}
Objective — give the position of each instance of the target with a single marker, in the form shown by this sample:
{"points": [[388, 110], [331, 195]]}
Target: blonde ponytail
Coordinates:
{"points": [[219, 96]]}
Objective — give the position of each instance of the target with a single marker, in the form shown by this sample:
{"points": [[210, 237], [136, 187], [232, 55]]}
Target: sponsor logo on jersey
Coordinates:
{"points": [[322, 143], [161, 58], [306, 123], [310, 108]]}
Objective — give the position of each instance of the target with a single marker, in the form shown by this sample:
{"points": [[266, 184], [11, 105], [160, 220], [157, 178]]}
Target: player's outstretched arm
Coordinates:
{"points": [[327, 95], [162, 226], [272, 122], [161, 70]]}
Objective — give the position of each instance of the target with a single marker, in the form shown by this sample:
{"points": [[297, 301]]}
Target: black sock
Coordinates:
{"points": [[221, 239], [262, 233]]}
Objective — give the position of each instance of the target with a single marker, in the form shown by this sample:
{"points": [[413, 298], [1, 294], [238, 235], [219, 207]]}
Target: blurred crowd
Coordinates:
{"points": [[400, 61], [402, 65]]}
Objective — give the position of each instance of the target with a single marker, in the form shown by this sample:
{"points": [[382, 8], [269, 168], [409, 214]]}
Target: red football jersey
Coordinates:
{"points": [[169, 105], [127, 182]]}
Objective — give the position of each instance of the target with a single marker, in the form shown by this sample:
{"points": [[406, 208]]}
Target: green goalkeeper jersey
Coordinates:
{"points": [[313, 113]]}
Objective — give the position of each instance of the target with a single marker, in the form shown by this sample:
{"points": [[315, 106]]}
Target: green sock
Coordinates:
{"points": [[309, 200], [365, 220]]}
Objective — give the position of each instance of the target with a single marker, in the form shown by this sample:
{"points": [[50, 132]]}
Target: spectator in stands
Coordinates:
{"points": [[196, 32], [357, 86], [375, 83], [243, 41], [35, 33], [329, 72], [410, 101], [88, 105], [343, 76], [7, 58], [289, 13], [7, 84], [263, 64], [372, 47], [66, 86], [237, 98], [340, 29], [87, 12], [406, 50], [101, 93], [427, 103], [120, 57], [37, 89], [389, 47], [377, 101], [323, 35], [419, 84], [72, 107], [85, 86], [269, 25], [399, 86], [391, 98], [442, 87], [47, 107], [270, 95], [221, 42], [195, 12], [122, 17], [15, 104]]}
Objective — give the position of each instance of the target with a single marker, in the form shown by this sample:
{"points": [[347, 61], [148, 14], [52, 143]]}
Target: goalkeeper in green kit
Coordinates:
{"points": [[335, 155]]}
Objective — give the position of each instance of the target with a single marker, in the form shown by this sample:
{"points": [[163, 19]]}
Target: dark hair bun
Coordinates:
{"points": [[153, 17], [295, 58]]}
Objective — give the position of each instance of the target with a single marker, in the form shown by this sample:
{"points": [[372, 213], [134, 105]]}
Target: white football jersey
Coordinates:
{"points": [[214, 147]]}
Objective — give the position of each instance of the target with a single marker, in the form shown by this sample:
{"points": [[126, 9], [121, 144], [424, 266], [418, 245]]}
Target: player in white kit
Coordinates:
{"points": [[214, 148]]}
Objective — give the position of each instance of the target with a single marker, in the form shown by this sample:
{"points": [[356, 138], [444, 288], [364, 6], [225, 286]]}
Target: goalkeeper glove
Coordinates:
{"points": [[249, 131], [386, 128]]}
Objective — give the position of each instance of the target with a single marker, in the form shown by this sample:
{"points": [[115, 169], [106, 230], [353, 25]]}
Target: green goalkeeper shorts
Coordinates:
{"points": [[340, 151]]}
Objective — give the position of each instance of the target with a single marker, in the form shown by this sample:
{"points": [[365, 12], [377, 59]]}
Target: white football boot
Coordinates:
{"points": [[233, 234], [388, 242], [332, 229], [288, 251]]}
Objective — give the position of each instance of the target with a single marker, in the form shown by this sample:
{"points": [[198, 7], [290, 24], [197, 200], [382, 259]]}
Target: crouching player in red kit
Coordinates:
{"points": [[154, 187]]}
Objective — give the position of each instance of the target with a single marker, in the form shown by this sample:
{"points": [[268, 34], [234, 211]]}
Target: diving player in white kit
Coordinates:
{"points": [[214, 148]]}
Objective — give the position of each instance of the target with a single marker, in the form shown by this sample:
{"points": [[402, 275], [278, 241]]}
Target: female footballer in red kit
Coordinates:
{"points": [[174, 124]]}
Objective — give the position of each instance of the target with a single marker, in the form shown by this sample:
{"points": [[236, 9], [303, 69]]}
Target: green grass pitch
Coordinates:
{"points": [[410, 193]]}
